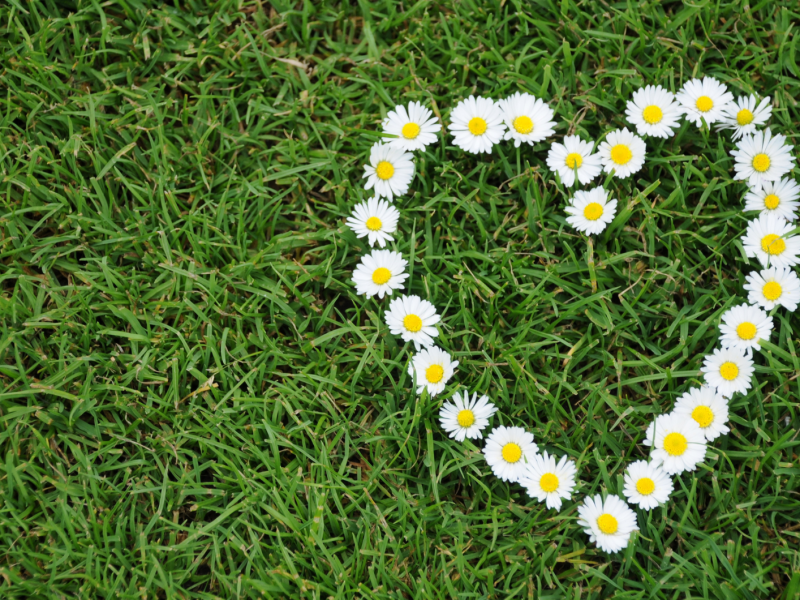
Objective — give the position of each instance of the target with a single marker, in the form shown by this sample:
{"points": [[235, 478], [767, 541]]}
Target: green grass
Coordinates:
{"points": [[195, 404]]}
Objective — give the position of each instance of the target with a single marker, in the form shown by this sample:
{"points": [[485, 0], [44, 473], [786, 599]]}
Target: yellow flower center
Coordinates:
{"points": [[772, 290], [512, 452], [675, 444], [607, 524], [621, 154], [466, 418], [384, 170], [413, 323], [746, 330], [744, 117], [729, 371], [593, 211], [772, 244], [381, 275], [704, 104], [523, 124], [548, 482], [703, 416], [477, 126], [761, 162], [434, 373], [374, 224], [772, 201], [574, 160], [652, 114], [410, 131], [645, 486]]}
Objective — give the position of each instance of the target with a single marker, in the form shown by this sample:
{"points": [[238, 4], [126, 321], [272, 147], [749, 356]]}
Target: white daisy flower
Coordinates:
{"points": [[549, 482], [706, 99], [762, 157], [390, 171], [477, 124], [774, 287], [776, 197], [608, 522], [765, 239], [529, 120], [571, 157], [728, 371], [743, 327], [744, 115], [376, 219], [413, 319], [415, 127], [678, 443], [433, 368], [653, 111], [508, 450], [465, 417], [708, 408], [646, 484], [622, 152], [591, 211], [380, 272]]}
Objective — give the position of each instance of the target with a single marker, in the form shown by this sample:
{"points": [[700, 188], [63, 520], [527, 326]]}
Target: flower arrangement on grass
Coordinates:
{"points": [[679, 439]]}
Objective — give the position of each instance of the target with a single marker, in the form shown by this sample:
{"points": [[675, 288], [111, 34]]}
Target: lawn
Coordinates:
{"points": [[194, 402]]}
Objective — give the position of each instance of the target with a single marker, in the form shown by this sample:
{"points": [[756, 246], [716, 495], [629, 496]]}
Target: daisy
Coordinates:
{"points": [[465, 418], [608, 522], [549, 482], [678, 443], [762, 157], [390, 171], [728, 370], [743, 327], [433, 368], [764, 239], [508, 450], [573, 157], [622, 152], [415, 127], [590, 212], [413, 319], [744, 115], [380, 272], [706, 99], [477, 124], [376, 219], [774, 287], [779, 198], [708, 408], [528, 119], [653, 111], [646, 484]]}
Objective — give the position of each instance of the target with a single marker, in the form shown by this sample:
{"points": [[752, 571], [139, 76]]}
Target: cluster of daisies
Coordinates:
{"points": [[678, 440]]}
